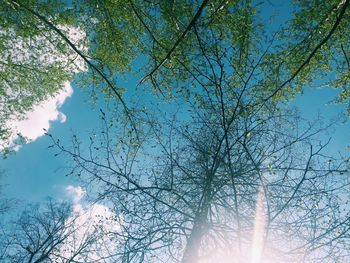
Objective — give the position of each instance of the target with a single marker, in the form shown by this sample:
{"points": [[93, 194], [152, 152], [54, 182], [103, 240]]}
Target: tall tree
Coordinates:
{"points": [[197, 185], [57, 232], [188, 185], [314, 46], [34, 62], [118, 32]]}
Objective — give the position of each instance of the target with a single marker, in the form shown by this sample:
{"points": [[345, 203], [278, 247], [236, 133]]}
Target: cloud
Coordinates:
{"points": [[89, 222], [39, 118], [91, 227], [75, 193]]}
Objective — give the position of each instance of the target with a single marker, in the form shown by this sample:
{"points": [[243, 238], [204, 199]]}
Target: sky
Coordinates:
{"points": [[33, 172]]}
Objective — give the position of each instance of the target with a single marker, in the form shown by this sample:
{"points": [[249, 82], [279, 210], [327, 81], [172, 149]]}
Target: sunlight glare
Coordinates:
{"points": [[259, 228]]}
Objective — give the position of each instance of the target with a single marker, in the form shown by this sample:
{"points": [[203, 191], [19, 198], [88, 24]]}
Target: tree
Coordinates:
{"points": [[5, 203], [34, 63], [188, 183], [195, 196], [315, 45], [116, 33], [5, 206], [198, 193], [55, 232]]}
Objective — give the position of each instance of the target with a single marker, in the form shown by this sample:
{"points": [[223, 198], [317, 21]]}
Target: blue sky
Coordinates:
{"points": [[34, 173]]}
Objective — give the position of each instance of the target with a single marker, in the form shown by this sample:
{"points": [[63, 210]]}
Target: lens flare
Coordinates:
{"points": [[259, 228]]}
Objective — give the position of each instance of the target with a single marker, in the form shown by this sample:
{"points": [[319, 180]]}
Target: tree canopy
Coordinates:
{"points": [[38, 50], [202, 162]]}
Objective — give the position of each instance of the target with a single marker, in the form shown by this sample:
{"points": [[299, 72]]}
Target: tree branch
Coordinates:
{"points": [[178, 41], [91, 65], [314, 51]]}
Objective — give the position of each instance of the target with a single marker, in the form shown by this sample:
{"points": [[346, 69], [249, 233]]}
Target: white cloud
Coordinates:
{"points": [[89, 222], [39, 118], [75, 193]]}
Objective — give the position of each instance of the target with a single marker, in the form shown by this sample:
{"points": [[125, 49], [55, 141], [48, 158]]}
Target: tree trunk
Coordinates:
{"points": [[191, 253]]}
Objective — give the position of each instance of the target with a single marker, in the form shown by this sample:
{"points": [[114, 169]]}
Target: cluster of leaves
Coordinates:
{"points": [[317, 39], [314, 44], [34, 61]]}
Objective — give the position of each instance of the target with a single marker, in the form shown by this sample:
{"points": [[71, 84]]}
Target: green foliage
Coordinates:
{"points": [[176, 46], [34, 61], [314, 23], [218, 61]]}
